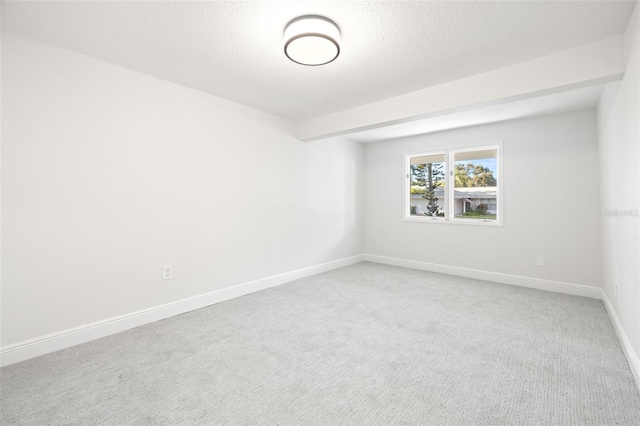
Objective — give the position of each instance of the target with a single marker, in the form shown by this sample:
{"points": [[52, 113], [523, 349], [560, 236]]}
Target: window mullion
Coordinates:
{"points": [[449, 185]]}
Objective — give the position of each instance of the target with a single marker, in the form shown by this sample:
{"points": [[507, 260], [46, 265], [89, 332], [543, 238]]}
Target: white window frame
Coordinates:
{"points": [[449, 217]]}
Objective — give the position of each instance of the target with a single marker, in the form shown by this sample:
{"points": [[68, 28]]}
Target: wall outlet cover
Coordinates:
{"points": [[167, 272]]}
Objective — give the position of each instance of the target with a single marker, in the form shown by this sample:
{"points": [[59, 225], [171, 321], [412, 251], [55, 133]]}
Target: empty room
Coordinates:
{"points": [[320, 212]]}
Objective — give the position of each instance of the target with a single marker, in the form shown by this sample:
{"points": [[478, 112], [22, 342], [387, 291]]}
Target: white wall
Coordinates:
{"points": [[619, 143], [550, 192], [108, 174]]}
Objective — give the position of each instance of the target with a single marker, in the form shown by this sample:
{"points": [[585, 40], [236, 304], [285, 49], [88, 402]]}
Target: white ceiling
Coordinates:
{"points": [[234, 49]]}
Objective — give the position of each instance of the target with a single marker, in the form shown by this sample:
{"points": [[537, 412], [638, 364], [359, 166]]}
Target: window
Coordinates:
{"points": [[455, 186], [427, 192]]}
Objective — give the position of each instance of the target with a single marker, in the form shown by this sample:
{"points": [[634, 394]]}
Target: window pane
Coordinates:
{"points": [[427, 192], [475, 177]]}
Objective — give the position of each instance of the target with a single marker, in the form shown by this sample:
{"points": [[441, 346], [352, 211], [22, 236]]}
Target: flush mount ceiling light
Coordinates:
{"points": [[312, 40]]}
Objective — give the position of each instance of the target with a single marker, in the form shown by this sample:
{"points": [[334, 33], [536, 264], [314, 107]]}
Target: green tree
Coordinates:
{"points": [[431, 176], [471, 175], [461, 175], [418, 172]]}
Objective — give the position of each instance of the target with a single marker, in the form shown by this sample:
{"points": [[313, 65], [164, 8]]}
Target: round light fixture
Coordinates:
{"points": [[312, 40]]}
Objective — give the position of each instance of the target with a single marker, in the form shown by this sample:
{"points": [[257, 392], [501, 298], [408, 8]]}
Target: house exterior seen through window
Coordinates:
{"points": [[455, 186]]}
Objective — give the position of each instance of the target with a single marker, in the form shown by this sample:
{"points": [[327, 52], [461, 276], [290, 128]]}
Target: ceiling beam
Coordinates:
{"points": [[582, 66]]}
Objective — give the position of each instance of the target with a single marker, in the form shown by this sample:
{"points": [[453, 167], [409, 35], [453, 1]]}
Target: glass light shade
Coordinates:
{"points": [[312, 40]]}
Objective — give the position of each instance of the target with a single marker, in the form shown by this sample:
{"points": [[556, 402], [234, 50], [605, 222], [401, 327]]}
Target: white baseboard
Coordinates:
{"points": [[557, 286], [32, 348], [632, 357]]}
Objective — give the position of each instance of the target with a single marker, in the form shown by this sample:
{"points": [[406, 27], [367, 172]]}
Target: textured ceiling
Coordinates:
{"points": [[234, 49]]}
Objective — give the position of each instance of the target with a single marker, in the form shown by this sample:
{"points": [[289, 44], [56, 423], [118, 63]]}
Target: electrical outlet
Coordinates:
{"points": [[540, 261], [167, 272]]}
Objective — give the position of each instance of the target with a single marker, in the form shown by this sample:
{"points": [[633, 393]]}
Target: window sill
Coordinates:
{"points": [[441, 220]]}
